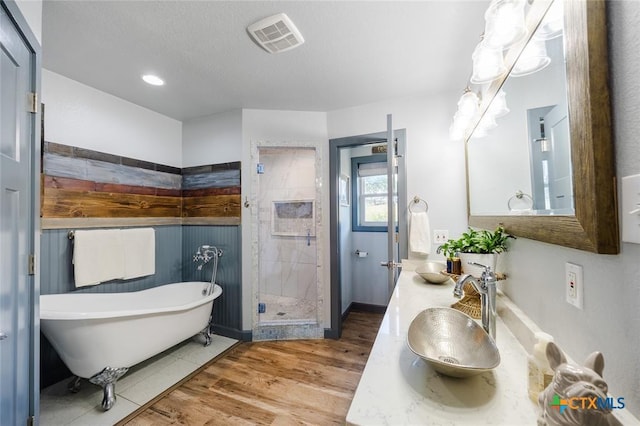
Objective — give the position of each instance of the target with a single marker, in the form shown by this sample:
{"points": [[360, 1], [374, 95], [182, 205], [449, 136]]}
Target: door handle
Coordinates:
{"points": [[3, 335], [391, 264]]}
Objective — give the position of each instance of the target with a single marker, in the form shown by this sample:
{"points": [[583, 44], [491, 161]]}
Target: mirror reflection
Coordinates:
{"points": [[519, 155]]}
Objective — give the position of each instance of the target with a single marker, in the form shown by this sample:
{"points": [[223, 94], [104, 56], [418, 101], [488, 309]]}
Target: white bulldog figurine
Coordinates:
{"points": [[570, 399]]}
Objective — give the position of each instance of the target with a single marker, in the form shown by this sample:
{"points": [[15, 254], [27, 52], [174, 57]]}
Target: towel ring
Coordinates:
{"points": [[520, 196], [417, 200]]}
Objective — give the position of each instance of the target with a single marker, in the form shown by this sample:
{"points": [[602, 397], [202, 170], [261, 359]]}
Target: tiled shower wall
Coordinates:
{"points": [[287, 263]]}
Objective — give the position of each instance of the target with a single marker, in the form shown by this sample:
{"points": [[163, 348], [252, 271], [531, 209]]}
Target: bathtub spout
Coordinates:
{"points": [[107, 379]]}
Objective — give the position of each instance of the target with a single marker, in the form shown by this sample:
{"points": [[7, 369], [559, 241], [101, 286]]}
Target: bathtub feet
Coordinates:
{"points": [[107, 379], [207, 336], [74, 385]]}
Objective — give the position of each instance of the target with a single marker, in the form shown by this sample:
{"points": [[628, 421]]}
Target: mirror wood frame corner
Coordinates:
{"points": [[595, 224]]}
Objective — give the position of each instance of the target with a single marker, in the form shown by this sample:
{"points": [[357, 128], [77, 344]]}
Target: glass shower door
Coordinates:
{"points": [[287, 249]]}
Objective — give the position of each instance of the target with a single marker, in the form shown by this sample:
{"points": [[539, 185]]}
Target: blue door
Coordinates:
{"points": [[16, 221]]}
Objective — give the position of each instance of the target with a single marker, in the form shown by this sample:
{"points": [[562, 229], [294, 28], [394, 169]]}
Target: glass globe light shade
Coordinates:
{"points": [[504, 23], [456, 132], [468, 104], [487, 122], [498, 107], [552, 24], [488, 64], [532, 59]]}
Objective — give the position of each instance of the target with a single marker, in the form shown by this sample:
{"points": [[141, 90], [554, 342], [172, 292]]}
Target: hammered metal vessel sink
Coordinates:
{"points": [[430, 272], [452, 343]]}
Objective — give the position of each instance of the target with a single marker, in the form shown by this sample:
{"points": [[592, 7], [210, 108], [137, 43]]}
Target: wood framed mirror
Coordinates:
{"points": [[594, 226]]}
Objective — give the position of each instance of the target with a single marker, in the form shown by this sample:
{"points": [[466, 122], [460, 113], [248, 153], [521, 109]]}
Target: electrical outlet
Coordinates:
{"points": [[440, 236], [574, 288]]}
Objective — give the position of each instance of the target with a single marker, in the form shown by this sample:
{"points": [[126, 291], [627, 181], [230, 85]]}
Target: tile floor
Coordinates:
{"points": [[281, 308], [142, 383]]}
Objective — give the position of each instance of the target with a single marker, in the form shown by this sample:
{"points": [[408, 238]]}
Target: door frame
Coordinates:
{"points": [[35, 49], [334, 239]]}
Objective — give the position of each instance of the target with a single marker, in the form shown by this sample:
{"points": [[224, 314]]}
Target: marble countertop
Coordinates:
{"points": [[398, 387]]}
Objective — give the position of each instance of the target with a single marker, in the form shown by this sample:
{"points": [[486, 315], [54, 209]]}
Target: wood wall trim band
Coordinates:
{"points": [[219, 221], [235, 165], [212, 206], [218, 179], [231, 190], [69, 203], [88, 154], [88, 185], [105, 222]]}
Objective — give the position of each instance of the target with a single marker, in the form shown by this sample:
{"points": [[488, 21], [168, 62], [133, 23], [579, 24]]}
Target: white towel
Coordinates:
{"points": [[97, 256], [419, 233], [139, 252]]}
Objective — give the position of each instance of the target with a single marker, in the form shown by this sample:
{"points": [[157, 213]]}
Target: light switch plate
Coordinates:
{"points": [[631, 209]]}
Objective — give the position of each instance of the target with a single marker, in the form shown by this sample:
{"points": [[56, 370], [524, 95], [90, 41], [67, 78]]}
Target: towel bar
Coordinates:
{"points": [[417, 200]]}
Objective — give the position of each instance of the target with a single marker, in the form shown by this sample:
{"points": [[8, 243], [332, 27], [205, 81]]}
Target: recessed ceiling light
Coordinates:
{"points": [[153, 80]]}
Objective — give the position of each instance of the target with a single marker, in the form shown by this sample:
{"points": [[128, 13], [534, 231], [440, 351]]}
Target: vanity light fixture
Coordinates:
{"points": [[153, 80], [532, 59], [504, 23]]}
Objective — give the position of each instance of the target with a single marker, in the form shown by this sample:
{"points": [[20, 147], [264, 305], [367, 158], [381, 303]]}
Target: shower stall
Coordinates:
{"points": [[287, 217]]}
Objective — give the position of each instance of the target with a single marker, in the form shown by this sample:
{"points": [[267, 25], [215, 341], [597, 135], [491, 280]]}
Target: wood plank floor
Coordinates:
{"points": [[273, 383]]}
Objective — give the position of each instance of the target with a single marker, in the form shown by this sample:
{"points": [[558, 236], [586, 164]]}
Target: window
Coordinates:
{"points": [[369, 186]]}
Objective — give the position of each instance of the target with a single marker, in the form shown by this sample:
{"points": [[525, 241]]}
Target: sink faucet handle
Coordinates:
{"points": [[488, 273], [486, 267]]}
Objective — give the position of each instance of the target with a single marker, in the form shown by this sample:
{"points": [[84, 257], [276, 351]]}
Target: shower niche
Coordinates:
{"points": [[293, 218]]}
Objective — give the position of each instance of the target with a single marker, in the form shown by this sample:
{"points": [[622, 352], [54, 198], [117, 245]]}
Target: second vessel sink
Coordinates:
{"points": [[452, 342]]}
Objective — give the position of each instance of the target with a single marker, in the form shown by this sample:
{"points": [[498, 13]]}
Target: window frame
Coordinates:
{"points": [[356, 205]]}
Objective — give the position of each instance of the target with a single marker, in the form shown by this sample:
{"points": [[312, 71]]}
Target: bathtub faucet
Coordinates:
{"points": [[205, 254]]}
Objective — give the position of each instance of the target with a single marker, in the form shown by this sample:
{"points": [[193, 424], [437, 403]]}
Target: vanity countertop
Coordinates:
{"points": [[398, 387]]}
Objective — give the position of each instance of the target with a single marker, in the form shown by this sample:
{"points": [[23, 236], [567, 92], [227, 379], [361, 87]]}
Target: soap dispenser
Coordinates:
{"points": [[540, 372]]}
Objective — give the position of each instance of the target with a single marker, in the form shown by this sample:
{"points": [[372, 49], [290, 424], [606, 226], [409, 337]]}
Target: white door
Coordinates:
{"points": [[15, 224], [393, 261]]}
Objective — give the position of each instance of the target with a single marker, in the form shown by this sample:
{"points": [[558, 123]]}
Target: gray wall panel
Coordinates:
{"points": [[227, 311], [57, 269]]}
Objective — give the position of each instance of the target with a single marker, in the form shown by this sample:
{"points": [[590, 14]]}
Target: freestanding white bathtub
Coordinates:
{"points": [[100, 335]]}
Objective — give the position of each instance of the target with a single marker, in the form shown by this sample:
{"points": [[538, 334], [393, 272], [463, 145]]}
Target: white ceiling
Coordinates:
{"points": [[355, 52]]}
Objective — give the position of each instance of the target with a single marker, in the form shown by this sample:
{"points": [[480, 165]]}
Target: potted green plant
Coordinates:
{"points": [[478, 246]]}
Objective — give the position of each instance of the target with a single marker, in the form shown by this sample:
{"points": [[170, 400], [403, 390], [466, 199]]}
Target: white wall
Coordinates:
{"points": [[32, 12], [213, 139], [276, 126], [79, 115], [610, 320], [347, 250], [435, 165]]}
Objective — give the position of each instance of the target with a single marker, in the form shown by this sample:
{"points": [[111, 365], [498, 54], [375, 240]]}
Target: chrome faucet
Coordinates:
{"points": [[205, 254], [487, 289]]}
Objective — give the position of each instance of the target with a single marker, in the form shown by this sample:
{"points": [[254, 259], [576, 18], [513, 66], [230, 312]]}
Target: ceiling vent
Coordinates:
{"points": [[276, 33]]}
